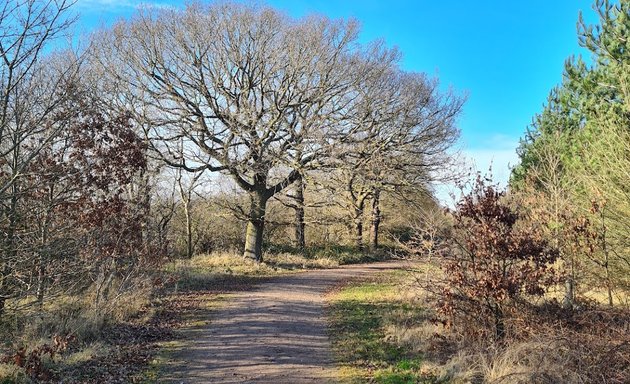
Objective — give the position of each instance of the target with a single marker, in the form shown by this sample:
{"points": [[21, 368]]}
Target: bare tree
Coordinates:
{"points": [[31, 92], [399, 134], [253, 94], [186, 188], [604, 173]]}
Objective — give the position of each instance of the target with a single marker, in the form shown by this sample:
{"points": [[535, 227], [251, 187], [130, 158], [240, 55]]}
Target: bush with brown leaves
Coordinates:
{"points": [[494, 261]]}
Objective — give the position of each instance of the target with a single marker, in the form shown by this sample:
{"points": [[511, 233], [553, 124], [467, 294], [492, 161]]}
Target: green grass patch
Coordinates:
{"points": [[358, 316], [155, 369]]}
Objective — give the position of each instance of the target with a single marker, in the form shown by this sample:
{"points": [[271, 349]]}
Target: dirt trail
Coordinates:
{"points": [[275, 333]]}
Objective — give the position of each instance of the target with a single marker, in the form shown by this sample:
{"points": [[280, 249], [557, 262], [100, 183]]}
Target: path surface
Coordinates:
{"points": [[275, 333]]}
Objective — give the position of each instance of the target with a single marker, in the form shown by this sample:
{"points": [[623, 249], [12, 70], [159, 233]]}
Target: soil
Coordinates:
{"points": [[275, 333]]}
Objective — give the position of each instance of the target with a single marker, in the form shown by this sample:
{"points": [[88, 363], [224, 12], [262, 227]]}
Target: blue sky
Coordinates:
{"points": [[504, 55]]}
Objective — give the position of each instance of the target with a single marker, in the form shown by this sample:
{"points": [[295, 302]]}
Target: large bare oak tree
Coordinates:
{"points": [[252, 93]]}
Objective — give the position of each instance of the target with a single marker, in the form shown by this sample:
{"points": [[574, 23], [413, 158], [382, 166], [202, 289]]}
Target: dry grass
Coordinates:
{"points": [[221, 271], [10, 373], [74, 316], [545, 361], [236, 264], [546, 345], [89, 352], [542, 362], [293, 261]]}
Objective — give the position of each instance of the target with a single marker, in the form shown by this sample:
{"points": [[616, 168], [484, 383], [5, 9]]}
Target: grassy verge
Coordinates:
{"points": [[366, 319]]}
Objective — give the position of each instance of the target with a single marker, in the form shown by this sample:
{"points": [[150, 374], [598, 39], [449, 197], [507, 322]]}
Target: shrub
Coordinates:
{"points": [[493, 261]]}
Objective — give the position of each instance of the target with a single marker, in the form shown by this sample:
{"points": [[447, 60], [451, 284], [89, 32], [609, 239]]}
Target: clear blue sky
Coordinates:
{"points": [[504, 55]]}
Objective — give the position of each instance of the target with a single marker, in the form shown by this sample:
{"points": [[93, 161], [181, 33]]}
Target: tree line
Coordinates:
{"points": [[92, 139], [575, 159]]}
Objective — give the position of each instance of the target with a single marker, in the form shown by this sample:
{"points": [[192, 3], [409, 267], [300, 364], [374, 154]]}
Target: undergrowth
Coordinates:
{"points": [[384, 331]]}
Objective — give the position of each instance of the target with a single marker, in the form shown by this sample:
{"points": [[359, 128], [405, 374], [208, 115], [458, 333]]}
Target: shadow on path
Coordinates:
{"points": [[275, 333]]}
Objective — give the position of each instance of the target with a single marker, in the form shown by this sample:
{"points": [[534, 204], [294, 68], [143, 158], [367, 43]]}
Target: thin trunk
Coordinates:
{"points": [[41, 280], [569, 293], [300, 227], [358, 225], [104, 282], [147, 191], [185, 193], [10, 252], [44, 253], [606, 260], [189, 242], [43, 262], [4, 294], [499, 323], [376, 219], [569, 284], [163, 227], [609, 284], [255, 225]]}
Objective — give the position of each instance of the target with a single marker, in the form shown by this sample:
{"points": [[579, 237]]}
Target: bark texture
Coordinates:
{"points": [[376, 219], [300, 225], [255, 226]]}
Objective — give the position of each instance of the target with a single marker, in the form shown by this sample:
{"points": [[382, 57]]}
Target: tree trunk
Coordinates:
{"points": [[185, 193], [189, 240], [376, 220], [255, 226], [568, 293], [300, 226], [606, 260], [4, 289], [499, 323], [41, 280], [104, 282], [10, 251], [4, 273], [43, 262], [609, 286], [358, 233], [358, 226]]}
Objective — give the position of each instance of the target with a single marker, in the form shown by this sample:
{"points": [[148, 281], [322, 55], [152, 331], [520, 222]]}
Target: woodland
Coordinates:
{"points": [[180, 138]]}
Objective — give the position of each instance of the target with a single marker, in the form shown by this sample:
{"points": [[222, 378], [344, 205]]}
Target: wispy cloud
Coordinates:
{"points": [[499, 160], [498, 157], [120, 5]]}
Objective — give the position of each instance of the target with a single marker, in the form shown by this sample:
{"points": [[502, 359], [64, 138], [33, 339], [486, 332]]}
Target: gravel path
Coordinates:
{"points": [[275, 333]]}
